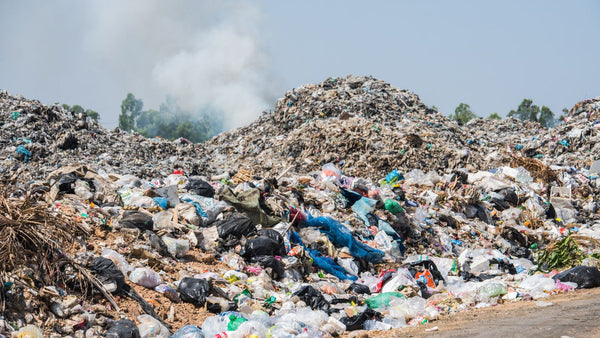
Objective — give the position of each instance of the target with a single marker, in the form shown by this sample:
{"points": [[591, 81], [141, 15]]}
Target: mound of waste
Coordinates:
{"points": [[362, 124], [105, 233], [37, 139]]}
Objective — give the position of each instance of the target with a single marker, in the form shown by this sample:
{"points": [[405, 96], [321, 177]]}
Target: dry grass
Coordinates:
{"points": [[33, 236]]}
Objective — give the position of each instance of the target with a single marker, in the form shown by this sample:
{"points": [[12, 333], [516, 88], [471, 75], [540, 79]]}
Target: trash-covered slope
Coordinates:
{"points": [[151, 238], [364, 125], [39, 138]]}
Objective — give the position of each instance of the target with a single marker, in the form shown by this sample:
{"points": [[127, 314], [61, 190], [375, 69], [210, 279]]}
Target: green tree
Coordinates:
{"points": [[76, 109], [92, 114], [529, 111], [131, 108], [463, 114], [526, 111], [546, 117], [494, 116], [170, 121]]}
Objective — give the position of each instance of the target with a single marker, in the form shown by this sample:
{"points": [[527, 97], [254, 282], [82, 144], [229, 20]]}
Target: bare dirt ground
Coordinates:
{"points": [[573, 314]]}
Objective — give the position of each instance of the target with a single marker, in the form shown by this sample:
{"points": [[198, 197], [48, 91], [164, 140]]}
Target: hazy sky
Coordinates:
{"points": [[238, 56]]}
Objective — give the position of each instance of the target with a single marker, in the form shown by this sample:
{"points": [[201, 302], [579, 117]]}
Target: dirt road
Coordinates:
{"points": [[575, 314]]}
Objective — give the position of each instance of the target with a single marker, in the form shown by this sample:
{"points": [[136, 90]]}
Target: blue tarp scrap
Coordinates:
{"points": [[324, 263], [341, 236]]}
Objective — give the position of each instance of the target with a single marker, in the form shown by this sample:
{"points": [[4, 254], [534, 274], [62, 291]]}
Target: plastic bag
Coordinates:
{"points": [[194, 290], [382, 299], [206, 207], [359, 289], [341, 236], [312, 298], [29, 331], [215, 325], [407, 308], [393, 206], [585, 276], [233, 228], [136, 219], [187, 212], [330, 170], [145, 277], [149, 327], [118, 259], [200, 187], [188, 331], [124, 328], [273, 264], [357, 322], [177, 247], [262, 246], [401, 277], [107, 271]]}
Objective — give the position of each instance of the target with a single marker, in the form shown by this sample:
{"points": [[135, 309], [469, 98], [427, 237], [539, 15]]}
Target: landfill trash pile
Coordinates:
{"points": [[36, 139], [177, 249], [362, 124]]}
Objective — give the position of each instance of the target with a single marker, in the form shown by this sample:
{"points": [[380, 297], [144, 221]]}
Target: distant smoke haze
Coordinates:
{"points": [[204, 54]]}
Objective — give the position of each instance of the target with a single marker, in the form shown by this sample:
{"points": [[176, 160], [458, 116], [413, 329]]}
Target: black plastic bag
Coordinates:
{"points": [[261, 246], [359, 288], [235, 226], [136, 219], [503, 265], [270, 262], [200, 187], [194, 290], [313, 298], [106, 270], [358, 322], [275, 235], [124, 328], [586, 277], [66, 184]]}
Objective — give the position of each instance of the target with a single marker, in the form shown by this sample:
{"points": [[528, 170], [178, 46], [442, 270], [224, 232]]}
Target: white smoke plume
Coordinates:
{"points": [[205, 54]]}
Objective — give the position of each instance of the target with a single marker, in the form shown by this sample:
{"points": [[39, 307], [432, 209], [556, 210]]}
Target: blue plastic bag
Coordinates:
{"points": [[339, 235], [364, 206], [188, 331], [324, 263]]}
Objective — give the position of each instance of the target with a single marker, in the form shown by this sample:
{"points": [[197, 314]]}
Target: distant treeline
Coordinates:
{"points": [[170, 121], [526, 111]]}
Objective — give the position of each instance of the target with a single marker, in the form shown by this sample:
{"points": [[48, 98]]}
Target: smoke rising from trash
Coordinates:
{"points": [[206, 55]]}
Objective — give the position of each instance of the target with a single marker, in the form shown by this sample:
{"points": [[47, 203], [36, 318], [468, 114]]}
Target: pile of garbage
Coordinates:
{"points": [[364, 125], [233, 243], [37, 139]]}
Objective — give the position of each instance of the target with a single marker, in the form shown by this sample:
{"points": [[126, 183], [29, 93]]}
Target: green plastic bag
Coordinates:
{"points": [[235, 322], [393, 206], [382, 299]]}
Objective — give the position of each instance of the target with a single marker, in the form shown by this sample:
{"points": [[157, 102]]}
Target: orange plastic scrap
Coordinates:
{"points": [[428, 276]]}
